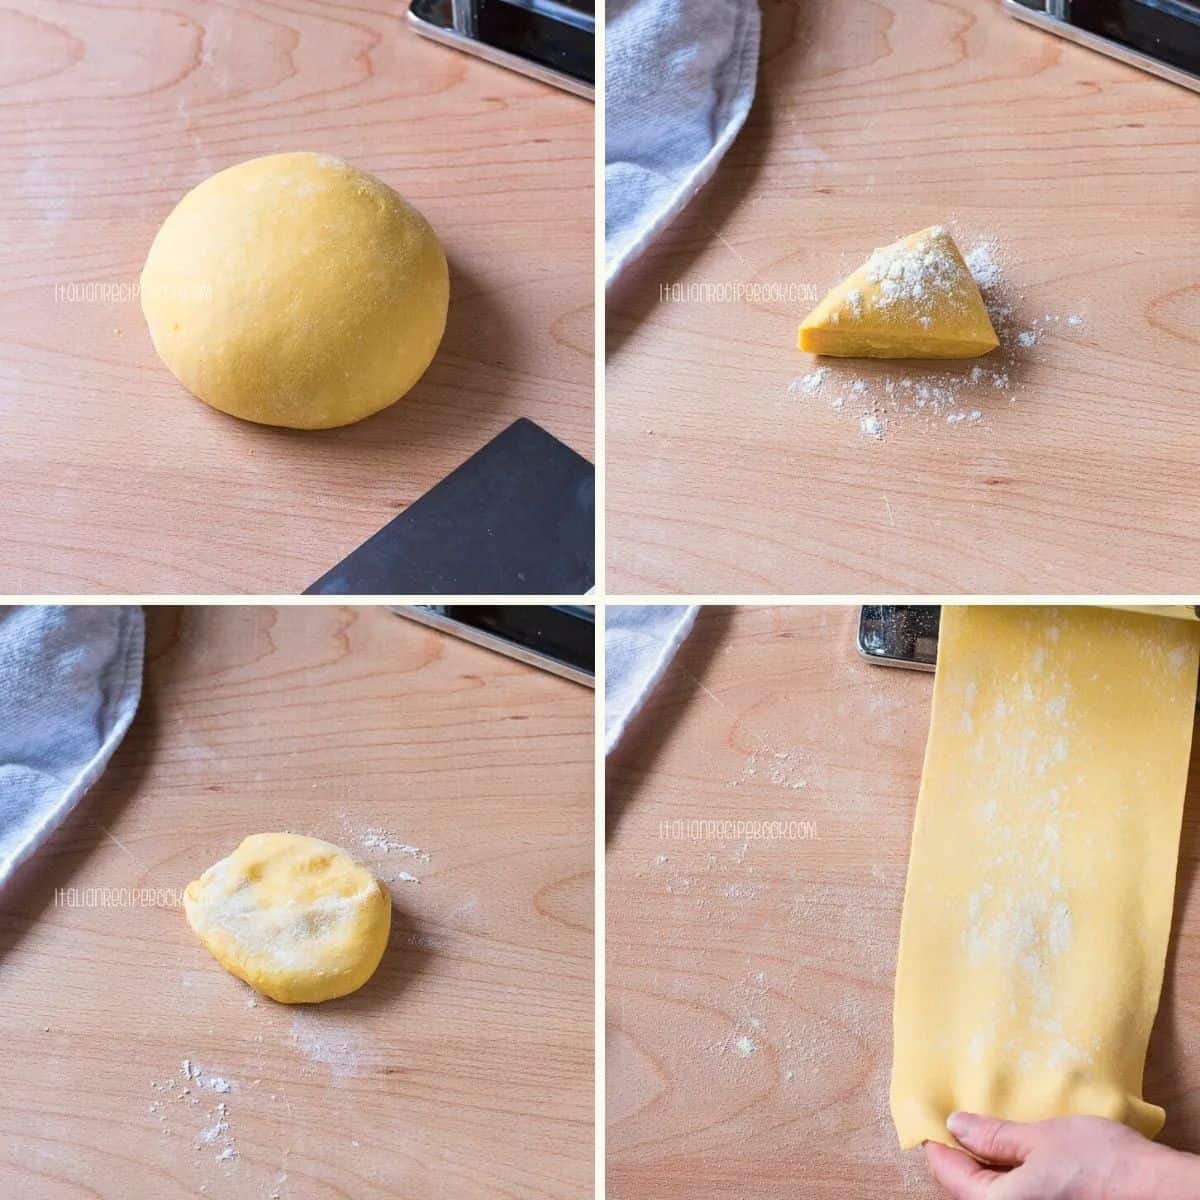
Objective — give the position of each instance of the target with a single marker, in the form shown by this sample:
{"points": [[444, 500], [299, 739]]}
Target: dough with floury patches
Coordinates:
{"points": [[296, 290], [1042, 873], [293, 916], [913, 299]]}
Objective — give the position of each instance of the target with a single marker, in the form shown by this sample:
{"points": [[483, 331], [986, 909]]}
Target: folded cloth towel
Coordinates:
{"points": [[639, 643], [70, 680], [679, 81]]}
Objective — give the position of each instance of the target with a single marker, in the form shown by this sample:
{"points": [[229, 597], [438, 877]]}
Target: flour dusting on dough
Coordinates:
{"points": [[1026, 894]]}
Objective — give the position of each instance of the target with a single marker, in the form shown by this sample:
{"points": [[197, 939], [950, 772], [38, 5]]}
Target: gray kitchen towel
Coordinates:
{"points": [[70, 681], [639, 643], [679, 81]]}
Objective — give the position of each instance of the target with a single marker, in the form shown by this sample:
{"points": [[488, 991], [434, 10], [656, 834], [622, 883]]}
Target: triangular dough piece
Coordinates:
{"points": [[912, 299]]}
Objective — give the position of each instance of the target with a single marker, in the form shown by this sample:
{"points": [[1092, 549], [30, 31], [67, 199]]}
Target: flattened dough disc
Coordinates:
{"points": [[293, 916], [1042, 872]]}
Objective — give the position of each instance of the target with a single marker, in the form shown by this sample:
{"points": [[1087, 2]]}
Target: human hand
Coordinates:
{"points": [[1069, 1158]]}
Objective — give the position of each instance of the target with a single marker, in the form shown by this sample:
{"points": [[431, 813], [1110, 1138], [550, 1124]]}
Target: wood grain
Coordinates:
{"points": [[788, 942], [118, 481], [875, 118], [462, 1070]]}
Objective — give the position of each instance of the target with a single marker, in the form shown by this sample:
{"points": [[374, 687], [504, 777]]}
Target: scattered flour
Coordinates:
{"points": [[744, 891], [376, 839], [783, 768], [332, 1044], [213, 1132], [744, 1047], [810, 384], [216, 1130], [379, 842], [941, 391], [193, 1073]]}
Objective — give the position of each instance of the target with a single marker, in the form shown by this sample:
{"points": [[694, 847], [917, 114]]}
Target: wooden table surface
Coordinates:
{"points": [[875, 118], [116, 479], [750, 980], [462, 1070]]}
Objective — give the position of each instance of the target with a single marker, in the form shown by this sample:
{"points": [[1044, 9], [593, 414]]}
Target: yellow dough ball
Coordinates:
{"points": [[293, 916], [296, 290]]}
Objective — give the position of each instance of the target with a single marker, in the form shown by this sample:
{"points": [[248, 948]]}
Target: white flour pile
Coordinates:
{"points": [[956, 393], [981, 262]]}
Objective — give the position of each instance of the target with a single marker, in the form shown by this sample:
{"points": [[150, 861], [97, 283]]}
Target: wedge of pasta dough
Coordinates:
{"points": [[912, 299], [1042, 872]]}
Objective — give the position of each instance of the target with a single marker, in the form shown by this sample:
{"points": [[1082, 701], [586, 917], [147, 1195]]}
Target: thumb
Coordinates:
{"points": [[960, 1174], [1006, 1142]]}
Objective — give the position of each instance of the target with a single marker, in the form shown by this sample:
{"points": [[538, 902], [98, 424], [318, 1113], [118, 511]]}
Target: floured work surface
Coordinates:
{"points": [[1042, 870]]}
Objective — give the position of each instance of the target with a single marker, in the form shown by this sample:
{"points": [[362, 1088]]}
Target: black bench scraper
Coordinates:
{"points": [[517, 518]]}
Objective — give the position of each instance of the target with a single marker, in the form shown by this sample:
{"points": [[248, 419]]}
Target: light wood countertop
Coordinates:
{"points": [[750, 979], [875, 118], [118, 481], [461, 1071]]}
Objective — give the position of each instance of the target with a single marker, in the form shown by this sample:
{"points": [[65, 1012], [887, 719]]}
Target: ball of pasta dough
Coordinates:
{"points": [[296, 290], [293, 916]]}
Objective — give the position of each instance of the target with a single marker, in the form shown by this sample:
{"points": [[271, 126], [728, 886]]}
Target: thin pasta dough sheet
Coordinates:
{"points": [[1042, 873]]}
